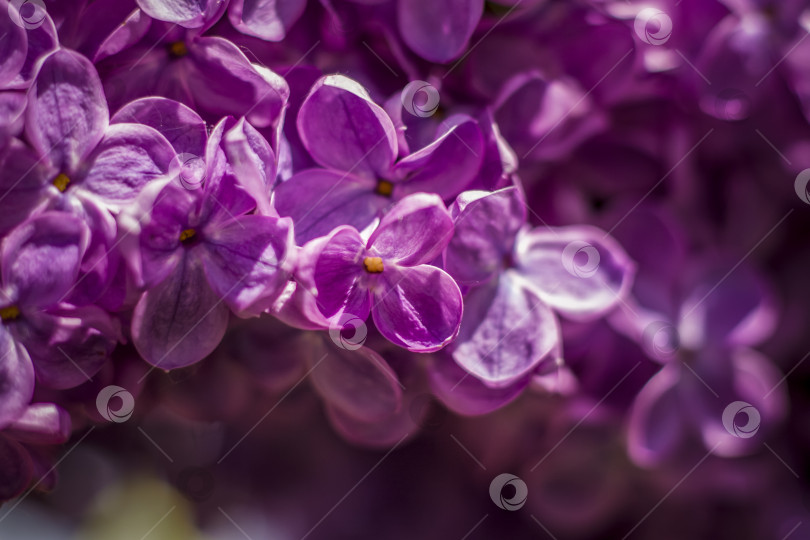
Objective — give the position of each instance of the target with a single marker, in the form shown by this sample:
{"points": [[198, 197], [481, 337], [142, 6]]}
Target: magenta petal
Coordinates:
{"points": [[186, 13], [319, 200], [67, 345], [228, 84], [415, 231], [417, 308], [181, 126], [246, 262], [466, 394], [128, 158], [343, 129], [41, 257], [126, 34], [181, 321], [67, 111], [657, 425], [359, 383], [22, 184], [331, 268], [380, 434], [13, 47], [16, 379], [41, 423], [16, 469], [486, 225], [265, 19], [253, 162], [159, 247], [448, 165], [506, 332], [579, 271], [438, 30]]}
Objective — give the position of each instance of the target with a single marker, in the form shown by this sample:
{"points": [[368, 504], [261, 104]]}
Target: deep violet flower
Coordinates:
{"points": [[414, 305], [518, 278], [201, 255], [356, 142]]}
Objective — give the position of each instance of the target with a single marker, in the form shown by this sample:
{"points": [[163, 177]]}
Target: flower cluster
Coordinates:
{"points": [[485, 203]]}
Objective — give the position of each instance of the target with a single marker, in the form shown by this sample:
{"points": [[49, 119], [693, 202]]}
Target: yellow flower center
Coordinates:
{"points": [[374, 265], [61, 182], [9, 313], [178, 49], [384, 188], [187, 234]]}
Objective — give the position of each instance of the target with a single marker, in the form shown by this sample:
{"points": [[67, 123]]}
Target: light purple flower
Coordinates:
{"points": [[356, 142], [414, 305]]}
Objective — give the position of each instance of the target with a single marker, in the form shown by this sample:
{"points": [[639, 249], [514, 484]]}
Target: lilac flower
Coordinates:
{"points": [[355, 140], [414, 305], [41, 260], [202, 255], [517, 278], [700, 325], [21, 448], [151, 57]]}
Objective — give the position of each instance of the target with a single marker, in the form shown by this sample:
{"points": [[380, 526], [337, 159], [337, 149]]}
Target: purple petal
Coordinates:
{"points": [[506, 332], [359, 383], [23, 184], [380, 434], [468, 395], [415, 231], [186, 13], [41, 423], [656, 425], [579, 271], [124, 36], [181, 126], [298, 307], [13, 47], [319, 200], [438, 30], [16, 379], [67, 111], [42, 40], [129, 157], [181, 321], [68, 346], [265, 19], [417, 308], [344, 130], [228, 84], [16, 469], [41, 258], [332, 269], [486, 225], [253, 162], [246, 262], [448, 165]]}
